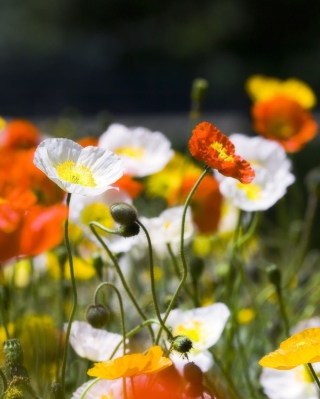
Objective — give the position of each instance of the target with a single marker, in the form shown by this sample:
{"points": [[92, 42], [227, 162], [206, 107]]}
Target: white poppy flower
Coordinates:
{"points": [[272, 170], [142, 151], [83, 210], [166, 229], [84, 171], [203, 326], [94, 344], [102, 389]]}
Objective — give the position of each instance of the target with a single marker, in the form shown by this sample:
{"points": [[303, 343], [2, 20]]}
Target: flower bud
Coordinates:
{"points": [[274, 275], [181, 344], [123, 213], [20, 372], [196, 268], [97, 263], [97, 315], [199, 90], [193, 373], [13, 352], [129, 230], [313, 181]]}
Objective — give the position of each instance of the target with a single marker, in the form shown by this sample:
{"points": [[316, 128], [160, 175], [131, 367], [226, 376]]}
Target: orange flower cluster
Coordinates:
{"points": [[280, 111], [31, 213], [209, 145]]}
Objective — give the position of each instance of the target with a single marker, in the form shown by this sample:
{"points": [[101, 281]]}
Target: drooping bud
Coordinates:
{"points": [[129, 230], [193, 373], [13, 352], [123, 213], [182, 344], [274, 275], [196, 268], [199, 90], [97, 315]]}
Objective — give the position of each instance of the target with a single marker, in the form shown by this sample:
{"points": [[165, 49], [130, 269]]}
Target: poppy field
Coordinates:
{"points": [[131, 270]]}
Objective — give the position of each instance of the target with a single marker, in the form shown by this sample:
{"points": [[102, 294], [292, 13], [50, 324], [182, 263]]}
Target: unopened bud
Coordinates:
{"points": [[97, 315], [193, 373], [129, 230], [182, 344], [274, 275], [199, 90], [13, 352], [196, 268], [123, 213], [313, 181]]}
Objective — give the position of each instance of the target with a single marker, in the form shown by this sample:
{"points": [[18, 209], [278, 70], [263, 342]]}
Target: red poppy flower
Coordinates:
{"points": [[19, 134], [209, 145], [284, 120]]}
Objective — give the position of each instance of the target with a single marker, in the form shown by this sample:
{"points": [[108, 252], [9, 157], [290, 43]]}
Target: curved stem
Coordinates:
{"points": [[121, 308], [120, 274], [75, 298], [153, 288], [314, 375], [183, 259]]}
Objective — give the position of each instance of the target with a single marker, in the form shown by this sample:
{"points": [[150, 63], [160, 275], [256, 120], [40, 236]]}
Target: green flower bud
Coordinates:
{"points": [[196, 268], [274, 275], [313, 181], [123, 213], [199, 90], [19, 372], [129, 230], [97, 263], [97, 315], [56, 391], [13, 352], [181, 344], [193, 373]]}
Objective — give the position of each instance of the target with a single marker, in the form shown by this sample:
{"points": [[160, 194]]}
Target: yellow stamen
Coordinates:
{"points": [[191, 329], [253, 191], [222, 153], [76, 173], [132, 152]]}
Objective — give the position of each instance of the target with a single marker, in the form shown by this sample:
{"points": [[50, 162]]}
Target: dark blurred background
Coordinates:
{"points": [[140, 56]]}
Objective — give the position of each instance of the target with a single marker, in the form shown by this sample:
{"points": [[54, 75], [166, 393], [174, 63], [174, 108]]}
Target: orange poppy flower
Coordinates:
{"points": [[131, 186], [284, 120], [88, 140], [300, 348], [19, 134], [209, 145], [131, 365]]}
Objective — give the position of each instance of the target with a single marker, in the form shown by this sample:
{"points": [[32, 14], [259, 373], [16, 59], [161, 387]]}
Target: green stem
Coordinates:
{"points": [[120, 274], [283, 311], [177, 271], [4, 381], [153, 288], [3, 316], [183, 259], [314, 375], [121, 309], [75, 298]]}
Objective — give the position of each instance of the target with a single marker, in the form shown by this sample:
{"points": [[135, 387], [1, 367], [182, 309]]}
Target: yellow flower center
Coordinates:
{"points": [[192, 329], [97, 212], [132, 152], [253, 191], [222, 153], [282, 129], [76, 173]]}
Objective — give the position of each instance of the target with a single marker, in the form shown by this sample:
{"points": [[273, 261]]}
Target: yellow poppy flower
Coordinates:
{"points": [[300, 348], [131, 365]]}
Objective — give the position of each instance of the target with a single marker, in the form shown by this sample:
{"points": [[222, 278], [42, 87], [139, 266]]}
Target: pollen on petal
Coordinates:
{"points": [[76, 173]]}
